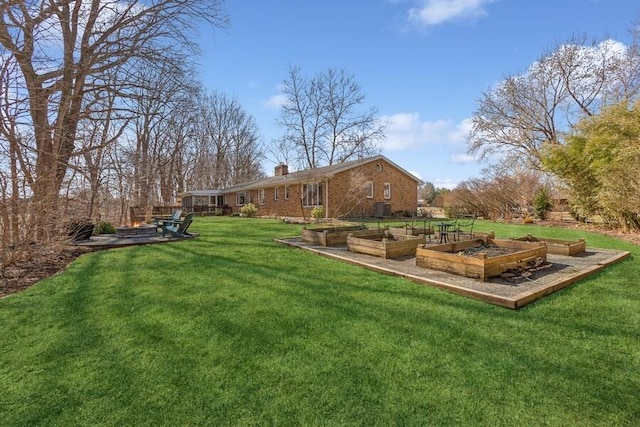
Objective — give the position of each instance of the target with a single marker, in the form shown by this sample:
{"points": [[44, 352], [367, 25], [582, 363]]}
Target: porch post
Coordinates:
{"points": [[326, 198]]}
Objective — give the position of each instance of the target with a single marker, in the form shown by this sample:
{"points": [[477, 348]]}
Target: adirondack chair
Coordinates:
{"points": [[177, 228], [175, 216]]}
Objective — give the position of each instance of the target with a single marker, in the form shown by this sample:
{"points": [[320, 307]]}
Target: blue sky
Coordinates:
{"points": [[422, 63]]}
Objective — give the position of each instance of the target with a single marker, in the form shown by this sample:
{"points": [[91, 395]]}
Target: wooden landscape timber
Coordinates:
{"points": [[476, 235], [413, 231], [447, 257], [557, 246], [329, 236], [382, 243]]}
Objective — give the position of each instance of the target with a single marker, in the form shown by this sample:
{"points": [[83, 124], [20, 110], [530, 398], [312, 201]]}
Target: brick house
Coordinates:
{"points": [[373, 186]]}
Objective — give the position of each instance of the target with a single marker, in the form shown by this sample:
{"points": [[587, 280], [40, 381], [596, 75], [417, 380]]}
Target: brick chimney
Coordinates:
{"points": [[281, 169]]}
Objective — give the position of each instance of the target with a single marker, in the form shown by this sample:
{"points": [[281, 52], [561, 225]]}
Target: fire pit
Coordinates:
{"points": [[145, 230]]}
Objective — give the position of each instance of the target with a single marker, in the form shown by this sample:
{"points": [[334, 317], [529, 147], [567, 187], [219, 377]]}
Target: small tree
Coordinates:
{"points": [[600, 164], [427, 192], [542, 203], [318, 213]]}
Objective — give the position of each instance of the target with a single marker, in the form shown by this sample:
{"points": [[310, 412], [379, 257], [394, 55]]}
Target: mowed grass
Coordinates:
{"points": [[234, 329]]}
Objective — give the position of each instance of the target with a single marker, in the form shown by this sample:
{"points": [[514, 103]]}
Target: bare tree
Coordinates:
{"points": [[226, 147], [351, 203], [496, 195], [98, 132], [162, 101], [324, 119], [525, 112], [64, 47], [17, 161]]}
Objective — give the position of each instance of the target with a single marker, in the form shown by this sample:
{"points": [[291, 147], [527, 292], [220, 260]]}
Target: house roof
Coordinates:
{"points": [[203, 193], [308, 175]]}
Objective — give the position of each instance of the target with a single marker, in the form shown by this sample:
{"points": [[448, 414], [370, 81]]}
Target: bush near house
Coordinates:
{"points": [[318, 213], [249, 210]]}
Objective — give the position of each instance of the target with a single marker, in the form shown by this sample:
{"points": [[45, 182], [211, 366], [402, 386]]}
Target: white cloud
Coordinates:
{"points": [[276, 101], [463, 158], [434, 12], [445, 183], [615, 47], [408, 131]]}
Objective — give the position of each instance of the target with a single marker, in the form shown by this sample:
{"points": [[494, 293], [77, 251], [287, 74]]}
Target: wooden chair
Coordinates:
{"points": [[177, 228]]}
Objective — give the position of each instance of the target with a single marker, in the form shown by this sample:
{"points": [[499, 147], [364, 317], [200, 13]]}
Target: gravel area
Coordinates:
{"points": [[543, 281]]}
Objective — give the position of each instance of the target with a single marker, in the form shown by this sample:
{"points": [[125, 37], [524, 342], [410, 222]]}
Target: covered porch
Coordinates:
{"points": [[203, 201]]}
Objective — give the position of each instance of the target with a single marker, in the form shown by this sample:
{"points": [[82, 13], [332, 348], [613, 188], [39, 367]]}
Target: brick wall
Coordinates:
{"points": [[271, 206], [404, 190], [342, 193]]}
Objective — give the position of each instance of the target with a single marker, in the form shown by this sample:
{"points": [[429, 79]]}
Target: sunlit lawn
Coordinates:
{"points": [[233, 329]]}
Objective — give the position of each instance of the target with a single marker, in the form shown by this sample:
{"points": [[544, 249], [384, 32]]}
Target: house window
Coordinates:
{"points": [[312, 194], [286, 192], [387, 190], [240, 198], [261, 196], [275, 193], [369, 189]]}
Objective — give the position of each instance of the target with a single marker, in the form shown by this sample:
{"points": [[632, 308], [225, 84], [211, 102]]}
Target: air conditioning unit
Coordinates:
{"points": [[381, 209]]}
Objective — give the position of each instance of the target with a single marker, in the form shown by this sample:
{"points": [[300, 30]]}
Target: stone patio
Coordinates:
{"points": [[105, 241]]}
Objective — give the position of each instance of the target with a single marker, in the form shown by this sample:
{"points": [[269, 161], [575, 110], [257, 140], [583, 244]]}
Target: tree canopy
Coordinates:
{"points": [[68, 62], [525, 112], [600, 164]]}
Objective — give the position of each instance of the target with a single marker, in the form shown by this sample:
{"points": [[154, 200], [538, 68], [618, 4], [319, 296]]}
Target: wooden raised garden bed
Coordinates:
{"points": [[557, 246], [412, 231], [329, 236], [509, 254], [384, 244]]}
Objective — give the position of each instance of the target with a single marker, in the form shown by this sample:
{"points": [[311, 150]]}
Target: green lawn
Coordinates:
{"points": [[233, 329]]}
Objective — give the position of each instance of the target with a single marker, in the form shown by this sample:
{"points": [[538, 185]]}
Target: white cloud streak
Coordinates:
{"points": [[463, 158], [435, 12], [408, 131], [445, 183], [276, 101]]}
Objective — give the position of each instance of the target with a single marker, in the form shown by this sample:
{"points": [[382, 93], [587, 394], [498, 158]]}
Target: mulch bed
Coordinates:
{"points": [[40, 262]]}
